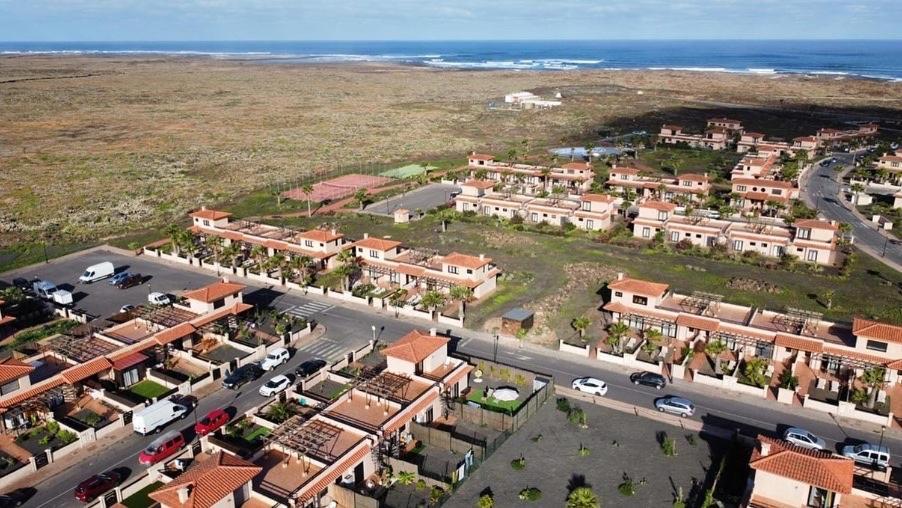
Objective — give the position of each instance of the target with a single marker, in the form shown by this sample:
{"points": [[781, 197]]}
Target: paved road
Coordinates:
{"points": [[348, 327], [821, 191], [425, 198]]}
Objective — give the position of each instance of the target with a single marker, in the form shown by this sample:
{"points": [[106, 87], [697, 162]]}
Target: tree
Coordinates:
{"points": [[307, 189], [446, 216], [461, 294], [348, 265], [874, 378], [176, 235], [259, 255], [300, 268], [12, 295], [432, 300], [828, 298], [755, 371], [397, 300], [582, 497], [580, 324], [652, 340], [360, 197], [616, 332], [486, 501], [230, 253], [279, 412], [215, 245]]}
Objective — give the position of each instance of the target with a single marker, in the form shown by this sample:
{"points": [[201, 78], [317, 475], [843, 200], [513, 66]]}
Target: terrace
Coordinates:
{"points": [[363, 410], [130, 332], [314, 438], [218, 353], [283, 474]]}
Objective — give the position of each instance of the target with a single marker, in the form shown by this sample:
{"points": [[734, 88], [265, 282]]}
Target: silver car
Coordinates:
{"points": [[675, 405], [803, 438]]}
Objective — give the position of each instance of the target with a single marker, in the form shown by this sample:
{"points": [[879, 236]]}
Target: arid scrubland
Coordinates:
{"points": [[94, 147]]}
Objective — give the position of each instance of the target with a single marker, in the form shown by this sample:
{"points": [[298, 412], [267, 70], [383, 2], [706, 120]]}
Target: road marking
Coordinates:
{"points": [[308, 309]]}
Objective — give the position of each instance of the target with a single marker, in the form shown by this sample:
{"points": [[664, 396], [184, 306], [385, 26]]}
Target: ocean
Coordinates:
{"points": [[873, 59]]}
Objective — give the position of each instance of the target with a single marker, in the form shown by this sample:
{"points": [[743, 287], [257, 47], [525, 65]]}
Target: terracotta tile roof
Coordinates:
{"points": [[698, 322], [214, 292], [876, 330], [672, 127], [313, 489], [890, 158], [480, 184], [793, 342], [208, 481], [693, 177], [753, 135], [321, 235], [637, 286], [175, 333], [456, 375], [481, 156], [465, 260], [203, 213], [805, 138], [11, 368], [382, 244], [658, 205], [577, 165], [597, 198], [415, 347], [617, 307], [815, 224], [129, 360], [812, 467], [235, 309], [625, 171], [762, 196], [6, 319], [33, 391], [76, 373], [408, 413], [746, 332]]}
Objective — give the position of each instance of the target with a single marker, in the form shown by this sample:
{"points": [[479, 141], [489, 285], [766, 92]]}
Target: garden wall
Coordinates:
{"points": [[450, 441], [347, 498], [448, 320], [574, 350]]}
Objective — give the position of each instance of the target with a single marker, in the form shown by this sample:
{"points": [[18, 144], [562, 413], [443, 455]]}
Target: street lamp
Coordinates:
{"points": [[495, 352], [879, 446], [373, 327]]}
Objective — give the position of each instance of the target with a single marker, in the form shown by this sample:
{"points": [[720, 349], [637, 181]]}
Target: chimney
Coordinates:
{"points": [[765, 448], [619, 275], [482, 257], [366, 235], [334, 232], [203, 207], [184, 492], [433, 331]]}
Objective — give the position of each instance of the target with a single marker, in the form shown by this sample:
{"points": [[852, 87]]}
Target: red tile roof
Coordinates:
{"points": [[75, 374], [793, 342], [415, 347], [597, 198], [313, 489], [465, 260], [815, 224], [770, 184], [33, 391], [876, 330], [625, 171], [175, 333], [640, 287], [694, 177], [382, 244], [321, 235], [481, 156], [658, 205], [698, 322], [203, 213], [480, 184], [811, 467], [208, 482], [11, 368], [408, 413], [214, 292], [577, 165], [129, 360]]}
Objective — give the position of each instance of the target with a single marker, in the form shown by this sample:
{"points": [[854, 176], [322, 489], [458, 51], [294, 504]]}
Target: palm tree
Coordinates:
{"points": [[215, 244], [397, 300], [828, 298], [652, 340], [298, 267], [582, 497], [461, 294], [12, 295], [307, 189], [279, 412], [176, 236], [580, 324], [432, 300], [230, 253], [348, 265], [360, 197], [258, 254], [874, 378], [545, 172], [616, 332], [714, 349]]}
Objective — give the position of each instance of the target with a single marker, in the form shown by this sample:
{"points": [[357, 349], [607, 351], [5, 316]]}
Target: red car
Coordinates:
{"points": [[214, 419], [162, 447], [96, 485]]}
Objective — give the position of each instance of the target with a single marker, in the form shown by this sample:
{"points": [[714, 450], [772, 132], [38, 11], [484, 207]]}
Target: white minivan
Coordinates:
{"points": [[96, 272], [868, 454], [156, 416]]}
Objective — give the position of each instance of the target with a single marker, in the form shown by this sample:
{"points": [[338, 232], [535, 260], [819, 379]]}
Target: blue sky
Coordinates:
{"points": [[134, 20]]}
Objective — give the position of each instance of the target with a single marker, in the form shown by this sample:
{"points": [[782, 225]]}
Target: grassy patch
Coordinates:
{"points": [[148, 389], [29, 253], [40, 332], [331, 280], [490, 403], [257, 432], [141, 499], [666, 160]]}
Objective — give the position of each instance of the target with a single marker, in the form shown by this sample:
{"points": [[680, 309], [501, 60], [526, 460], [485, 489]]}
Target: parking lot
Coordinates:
{"points": [[102, 299], [423, 199]]}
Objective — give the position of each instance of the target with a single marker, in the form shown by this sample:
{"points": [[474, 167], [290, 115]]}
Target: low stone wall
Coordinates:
{"points": [[448, 320], [574, 350]]}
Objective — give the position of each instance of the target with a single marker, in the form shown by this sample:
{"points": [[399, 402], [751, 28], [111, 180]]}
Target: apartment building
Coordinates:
{"points": [[734, 126], [714, 138], [760, 195], [808, 144], [828, 137], [813, 241], [756, 166], [591, 212], [386, 263], [688, 187], [572, 177]]}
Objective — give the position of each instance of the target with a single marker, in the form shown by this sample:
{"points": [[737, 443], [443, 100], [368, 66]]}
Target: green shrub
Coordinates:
{"points": [[582, 451], [485, 501], [627, 488], [421, 484], [578, 417], [563, 405], [518, 464], [530, 494], [67, 437], [668, 446]]}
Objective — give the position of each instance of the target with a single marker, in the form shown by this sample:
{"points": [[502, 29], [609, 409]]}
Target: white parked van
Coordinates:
{"points": [[155, 416], [44, 289], [96, 272], [62, 297]]}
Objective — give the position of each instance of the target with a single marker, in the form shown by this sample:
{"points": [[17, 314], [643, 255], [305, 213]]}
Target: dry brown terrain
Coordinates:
{"points": [[99, 146]]}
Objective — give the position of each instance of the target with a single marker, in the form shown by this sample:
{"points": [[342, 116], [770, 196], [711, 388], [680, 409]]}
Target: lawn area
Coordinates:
{"points": [[257, 432], [148, 389], [140, 499], [331, 280], [505, 406], [689, 160]]}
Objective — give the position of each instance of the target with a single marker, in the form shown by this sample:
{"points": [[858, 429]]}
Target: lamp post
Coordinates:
{"points": [[879, 446], [373, 327], [495, 352]]}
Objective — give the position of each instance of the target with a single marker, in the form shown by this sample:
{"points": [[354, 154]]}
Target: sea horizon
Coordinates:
{"points": [[862, 58]]}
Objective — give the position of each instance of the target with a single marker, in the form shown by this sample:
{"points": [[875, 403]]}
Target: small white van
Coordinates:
{"points": [[96, 272], [868, 454], [155, 416], [43, 289], [62, 297]]}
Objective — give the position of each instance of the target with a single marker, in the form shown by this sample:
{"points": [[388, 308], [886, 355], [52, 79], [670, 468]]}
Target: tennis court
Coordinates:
{"points": [[337, 188], [408, 171]]}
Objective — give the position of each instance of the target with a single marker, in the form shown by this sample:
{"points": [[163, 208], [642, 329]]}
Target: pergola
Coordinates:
{"points": [[701, 303], [743, 340], [312, 438], [44, 401], [388, 385], [798, 321], [166, 317], [81, 349]]}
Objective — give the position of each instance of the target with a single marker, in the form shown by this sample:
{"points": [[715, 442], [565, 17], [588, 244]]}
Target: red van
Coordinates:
{"points": [[214, 419], [162, 447]]}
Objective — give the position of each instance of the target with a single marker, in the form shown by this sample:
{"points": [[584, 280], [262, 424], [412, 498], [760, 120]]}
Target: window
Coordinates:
{"points": [[206, 222], [737, 245], [674, 236], [534, 217], [875, 345], [374, 253], [590, 224], [618, 294], [820, 498], [646, 233], [308, 243], [662, 215], [587, 206], [687, 183], [640, 300], [740, 188], [812, 255], [452, 269], [669, 329], [469, 272], [803, 233], [776, 192]]}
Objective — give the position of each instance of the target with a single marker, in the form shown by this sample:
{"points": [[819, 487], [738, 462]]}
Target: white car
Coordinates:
{"points": [[803, 438], [275, 385], [157, 298], [675, 405], [275, 358], [591, 385]]}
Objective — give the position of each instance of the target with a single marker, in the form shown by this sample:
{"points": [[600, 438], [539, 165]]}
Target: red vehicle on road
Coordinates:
{"points": [[162, 447], [214, 419], [97, 485]]}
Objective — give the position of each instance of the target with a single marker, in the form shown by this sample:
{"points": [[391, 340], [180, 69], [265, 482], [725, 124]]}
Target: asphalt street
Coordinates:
{"points": [[821, 191], [425, 198]]}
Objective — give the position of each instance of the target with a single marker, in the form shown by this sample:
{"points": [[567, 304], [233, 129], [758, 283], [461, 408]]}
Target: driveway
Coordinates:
{"points": [[821, 191]]}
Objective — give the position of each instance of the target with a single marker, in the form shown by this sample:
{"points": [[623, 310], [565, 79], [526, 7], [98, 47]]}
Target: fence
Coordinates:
{"points": [[347, 498]]}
